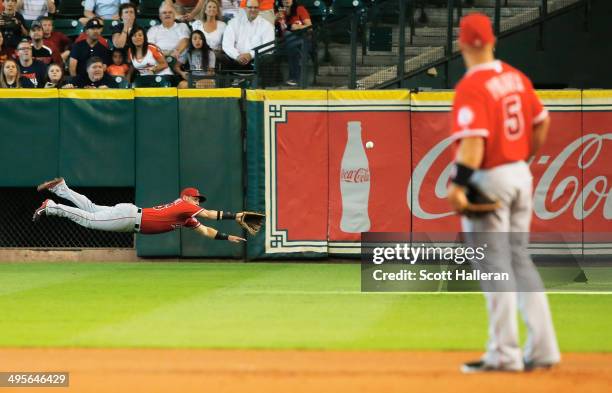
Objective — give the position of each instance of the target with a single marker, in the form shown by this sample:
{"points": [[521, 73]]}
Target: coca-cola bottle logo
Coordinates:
{"points": [[359, 175]]}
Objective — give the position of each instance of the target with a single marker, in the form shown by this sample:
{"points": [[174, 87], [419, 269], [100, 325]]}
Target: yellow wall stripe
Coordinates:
{"points": [[29, 93], [155, 92], [369, 95], [210, 93], [97, 94]]}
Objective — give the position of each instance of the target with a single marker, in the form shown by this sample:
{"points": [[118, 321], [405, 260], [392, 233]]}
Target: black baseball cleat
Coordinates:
{"points": [[480, 366], [49, 184], [40, 211], [532, 366]]}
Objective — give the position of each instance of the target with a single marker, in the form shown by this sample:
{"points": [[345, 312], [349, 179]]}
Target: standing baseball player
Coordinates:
{"points": [[126, 217], [499, 122]]}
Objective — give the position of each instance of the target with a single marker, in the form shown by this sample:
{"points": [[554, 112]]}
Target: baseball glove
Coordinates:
{"points": [[480, 203], [251, 221]]}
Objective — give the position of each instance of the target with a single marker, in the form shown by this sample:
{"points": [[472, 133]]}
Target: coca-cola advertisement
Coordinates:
{"points": [[336, 173]]}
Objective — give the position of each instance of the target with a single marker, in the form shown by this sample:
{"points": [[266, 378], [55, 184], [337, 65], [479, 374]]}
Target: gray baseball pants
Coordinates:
{"points": [[124, 217], [512, 184]]}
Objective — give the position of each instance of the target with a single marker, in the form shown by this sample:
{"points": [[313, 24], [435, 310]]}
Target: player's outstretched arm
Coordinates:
{"points": [[212, 233]]}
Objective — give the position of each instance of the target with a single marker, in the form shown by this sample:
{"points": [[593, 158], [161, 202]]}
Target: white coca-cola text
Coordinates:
{"points": [[597, 192]]}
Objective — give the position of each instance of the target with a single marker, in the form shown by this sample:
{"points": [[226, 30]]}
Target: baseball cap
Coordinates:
{"points": [[475, 30], [94, 24], [192, 192], [36, 25]]}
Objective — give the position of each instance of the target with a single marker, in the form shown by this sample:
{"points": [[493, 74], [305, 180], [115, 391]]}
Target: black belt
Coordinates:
{"points": [[137, 226]]}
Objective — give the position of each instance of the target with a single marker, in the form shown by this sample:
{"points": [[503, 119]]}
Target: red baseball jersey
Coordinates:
{"points": [[166, 218], [497, 102]]}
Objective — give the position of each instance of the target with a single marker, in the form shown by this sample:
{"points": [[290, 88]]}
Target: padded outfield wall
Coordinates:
{"points": [[288, 162], [297, 140]]}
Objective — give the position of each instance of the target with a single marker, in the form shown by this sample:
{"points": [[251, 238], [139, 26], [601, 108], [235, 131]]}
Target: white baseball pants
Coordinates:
{"points": [[512, 184], [124, 217]]}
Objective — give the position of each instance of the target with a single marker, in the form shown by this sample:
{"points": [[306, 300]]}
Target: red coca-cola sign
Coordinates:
{"points": [[409, 167]]}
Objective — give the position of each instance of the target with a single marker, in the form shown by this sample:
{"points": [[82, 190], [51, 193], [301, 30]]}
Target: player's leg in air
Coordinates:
{"points": [[118, 218]]}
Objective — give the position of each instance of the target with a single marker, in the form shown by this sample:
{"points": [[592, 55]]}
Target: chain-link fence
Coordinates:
{"points": [[18, 230]]}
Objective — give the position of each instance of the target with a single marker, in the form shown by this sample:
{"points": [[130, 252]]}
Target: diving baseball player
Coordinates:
{"points": [[499, 123], [126, 217]]}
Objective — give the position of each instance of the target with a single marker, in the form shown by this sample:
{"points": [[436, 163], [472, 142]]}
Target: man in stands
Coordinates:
{"points": [[56, 40], [105, 9], [242, 35], [91, 47], [40, 51], [171, 37], [95, 78], [31, 70]]}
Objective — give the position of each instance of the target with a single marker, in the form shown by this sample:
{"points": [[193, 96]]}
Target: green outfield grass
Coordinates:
{"points": [[237, 305]]}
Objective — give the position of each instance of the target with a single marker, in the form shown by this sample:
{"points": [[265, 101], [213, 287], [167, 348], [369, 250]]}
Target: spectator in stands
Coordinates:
{"points": [[105, 9], [10, 75], [119, 67], [12, 24], [171, 37], [32, 70], [101, 39], [230, 8], [186, 10], [146, 58], [5, 52], [198, 59], [84, 50], [40, 51], [211, 25], [56, 40], [266, 9], [244, 34], [56, 78], [122, 30], [34, 9], [289, 19], [94, 78]]}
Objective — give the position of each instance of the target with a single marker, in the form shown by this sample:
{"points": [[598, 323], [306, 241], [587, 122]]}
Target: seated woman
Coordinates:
{"points": [[146, 58], [291, 18], [212, 26], [55, 77], [198, 59], [9, 75]]}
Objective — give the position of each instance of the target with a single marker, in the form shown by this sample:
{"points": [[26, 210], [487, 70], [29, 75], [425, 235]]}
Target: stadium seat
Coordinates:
{"points": [[149, 8], [108, 28], [154, 81], [316, 8], [120, 83], [70, 27], [71, 8], [345, 7], [145, 23]]}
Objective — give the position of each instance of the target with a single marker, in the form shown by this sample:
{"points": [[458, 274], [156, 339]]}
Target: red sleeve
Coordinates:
{"points": [[191, 223], [64, 42], [302, 13], [470, 114]]}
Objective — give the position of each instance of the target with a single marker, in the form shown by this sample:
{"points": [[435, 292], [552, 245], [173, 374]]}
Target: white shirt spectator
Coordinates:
{"points": [[33, 9], [104, 8], [167, 39], [242, 35], [214, 38]]}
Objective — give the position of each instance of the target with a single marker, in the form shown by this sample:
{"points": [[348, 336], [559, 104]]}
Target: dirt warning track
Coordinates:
{"points": [[157, 370]]}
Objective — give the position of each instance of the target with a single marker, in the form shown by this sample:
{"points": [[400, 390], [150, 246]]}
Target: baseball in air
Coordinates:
{"points": [[369, 144]]}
